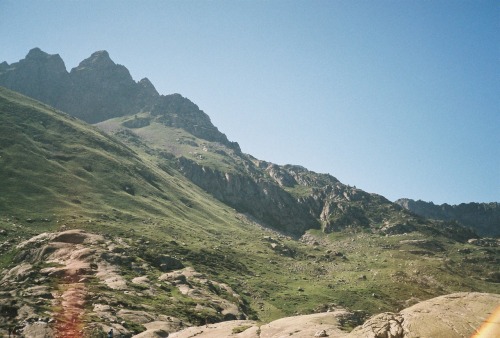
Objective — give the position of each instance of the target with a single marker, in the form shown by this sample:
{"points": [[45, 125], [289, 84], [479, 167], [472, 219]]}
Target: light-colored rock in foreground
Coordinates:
{"points": [[449, 316], [306, 325], [454, 315], [312, 325]]}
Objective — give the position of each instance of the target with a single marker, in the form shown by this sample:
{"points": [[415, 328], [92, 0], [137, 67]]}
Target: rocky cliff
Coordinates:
{"points": [[252, 194], [293, 199], [39, 75], [484, 218]]}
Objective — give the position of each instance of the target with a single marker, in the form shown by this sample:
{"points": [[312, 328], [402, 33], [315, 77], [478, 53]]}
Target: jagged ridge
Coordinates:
{"points": [[484, 218], [99, 89]]}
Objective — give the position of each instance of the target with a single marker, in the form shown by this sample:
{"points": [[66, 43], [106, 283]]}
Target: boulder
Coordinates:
{"points": [[38, 330], [454, 315], [167, 263]]}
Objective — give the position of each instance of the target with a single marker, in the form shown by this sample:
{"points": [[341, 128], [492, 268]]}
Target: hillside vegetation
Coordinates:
{"points": [[155, 216], [62, 174]]}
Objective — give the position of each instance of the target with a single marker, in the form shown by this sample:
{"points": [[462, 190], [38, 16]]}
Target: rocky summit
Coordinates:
{"points": [[125, 209], [105, 88], [99, 89]]}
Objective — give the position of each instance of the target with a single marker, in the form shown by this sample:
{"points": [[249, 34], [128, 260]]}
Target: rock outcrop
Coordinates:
{"points": [[327, 324], [293, 199], [177, 111], [96, 90], [40, 76], [101, 89], [252, 193], [455, 315], [77, 275]]}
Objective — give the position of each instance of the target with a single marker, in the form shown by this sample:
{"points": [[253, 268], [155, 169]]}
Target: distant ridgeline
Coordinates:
{"points": [[484, 218]]}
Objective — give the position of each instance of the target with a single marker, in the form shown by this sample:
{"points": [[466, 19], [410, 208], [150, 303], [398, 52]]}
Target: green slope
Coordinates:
{"points": [[53, 163], [58, 172]]}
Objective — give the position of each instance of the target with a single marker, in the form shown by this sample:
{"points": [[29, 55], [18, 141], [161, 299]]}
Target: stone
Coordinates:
{"points": [[38, 329], [454, 315], [138, 317], [167, 263]]}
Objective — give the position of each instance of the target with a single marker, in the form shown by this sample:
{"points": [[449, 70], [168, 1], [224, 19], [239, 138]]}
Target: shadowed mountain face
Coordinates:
{"points": [[484, 218], [39, 75], [98, 89]]}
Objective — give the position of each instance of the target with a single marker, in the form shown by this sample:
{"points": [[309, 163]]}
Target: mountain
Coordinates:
{"points": [[154, 221], [483, 218], [288, 198], [98, 89]]}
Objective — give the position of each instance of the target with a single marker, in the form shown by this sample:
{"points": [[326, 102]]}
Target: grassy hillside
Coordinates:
{"points": [[57, 172], [360, 268], [53, 163]]}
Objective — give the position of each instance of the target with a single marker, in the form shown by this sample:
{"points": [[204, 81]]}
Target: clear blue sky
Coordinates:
{"points": [[400, 98]]}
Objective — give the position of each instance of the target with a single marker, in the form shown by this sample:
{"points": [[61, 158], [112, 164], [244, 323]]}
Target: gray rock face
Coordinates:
{"points": [[96, 90], [282, 177], [483, 218], [39, 75], [252, 194], [293, 199], [99, 89]]}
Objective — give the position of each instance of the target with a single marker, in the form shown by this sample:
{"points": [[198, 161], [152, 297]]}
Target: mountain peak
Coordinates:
{"points": [[99, 89], [99, 59], [147, 90], [36, 53], [100, 55], [4, 66], [102, 52]]}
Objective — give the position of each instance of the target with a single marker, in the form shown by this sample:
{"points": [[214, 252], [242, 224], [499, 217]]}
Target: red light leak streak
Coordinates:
{"points": [[490, 327], [70, 310]]}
